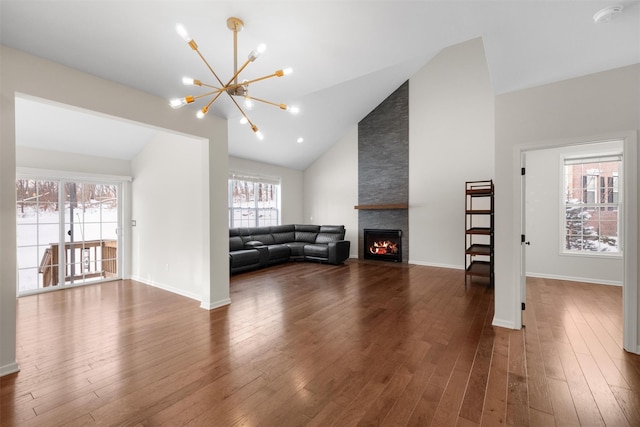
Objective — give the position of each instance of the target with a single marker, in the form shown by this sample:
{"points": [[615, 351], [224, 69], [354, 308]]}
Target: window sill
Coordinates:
{"points": [[603, 255]]}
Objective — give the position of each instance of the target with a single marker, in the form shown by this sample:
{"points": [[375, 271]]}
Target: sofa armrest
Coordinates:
{"points": [[252, 244], [338, 251]]}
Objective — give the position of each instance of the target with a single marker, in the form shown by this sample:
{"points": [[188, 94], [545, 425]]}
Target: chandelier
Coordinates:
{"points": [[232, 88]]}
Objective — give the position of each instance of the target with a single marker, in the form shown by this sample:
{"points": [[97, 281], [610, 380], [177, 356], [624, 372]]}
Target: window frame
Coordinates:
{"points": [[124, 205], [599, 194], [257, 181]]}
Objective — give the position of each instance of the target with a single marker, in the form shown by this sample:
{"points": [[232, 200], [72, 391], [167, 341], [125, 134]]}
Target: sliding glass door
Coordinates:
{"points": [[67, 233]]}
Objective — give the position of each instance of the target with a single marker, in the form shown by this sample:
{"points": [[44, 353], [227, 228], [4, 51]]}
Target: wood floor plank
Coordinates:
{"points": [[541, 419], [563, 409], [629, 402], [494, 411], [608, 407], [583, 399], [537, 388], [367, 343]]}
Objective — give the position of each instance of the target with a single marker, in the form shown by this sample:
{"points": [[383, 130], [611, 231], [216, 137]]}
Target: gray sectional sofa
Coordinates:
{"points": [[256, 247]]}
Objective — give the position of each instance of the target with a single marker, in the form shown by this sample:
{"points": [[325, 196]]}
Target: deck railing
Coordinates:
{"points": [[92, 258]]}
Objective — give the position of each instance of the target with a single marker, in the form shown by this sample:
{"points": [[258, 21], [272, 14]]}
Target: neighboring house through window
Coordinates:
{"points": [[253, 201], [592, 205]]}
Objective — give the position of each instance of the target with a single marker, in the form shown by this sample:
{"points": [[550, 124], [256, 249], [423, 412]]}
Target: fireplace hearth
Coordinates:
{"points": [[384, 245]]}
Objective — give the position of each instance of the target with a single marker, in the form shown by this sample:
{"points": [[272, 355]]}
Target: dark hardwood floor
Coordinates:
{"points": [[308, 344]]}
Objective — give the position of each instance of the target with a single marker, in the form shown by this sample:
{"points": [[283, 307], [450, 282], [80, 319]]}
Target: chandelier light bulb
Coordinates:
{"points": [[244, 121], [259, 135], [300, 140], [180, 102], [293, 109], [248, 103], [257, 52], [202, 112], [287, 71], [182, 32], [187, 81]]}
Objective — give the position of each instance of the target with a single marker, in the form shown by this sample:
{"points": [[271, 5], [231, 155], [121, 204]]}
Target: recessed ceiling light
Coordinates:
{"points": [[300, 140], [607, 14]]}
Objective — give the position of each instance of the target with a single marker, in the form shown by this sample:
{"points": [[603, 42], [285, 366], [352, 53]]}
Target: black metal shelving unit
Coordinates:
{"points": [[479, 231]]}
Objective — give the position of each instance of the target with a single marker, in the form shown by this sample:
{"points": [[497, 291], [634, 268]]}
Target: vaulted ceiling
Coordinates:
{"points": [[347, 56]]}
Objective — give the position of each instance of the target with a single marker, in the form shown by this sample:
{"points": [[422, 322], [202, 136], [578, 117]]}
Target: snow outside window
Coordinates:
{"points": [[253, 201], [592, 205]]}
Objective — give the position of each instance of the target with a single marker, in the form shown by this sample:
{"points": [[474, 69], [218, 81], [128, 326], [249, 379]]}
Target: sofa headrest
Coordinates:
{"points": [[305, 227], [332, 229], [259, 230], [330, 233], [282, 228], [235, 243]]}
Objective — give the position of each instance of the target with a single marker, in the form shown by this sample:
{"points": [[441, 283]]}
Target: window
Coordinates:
{"points": [[66, 232], [253, 201], [592, 204]]}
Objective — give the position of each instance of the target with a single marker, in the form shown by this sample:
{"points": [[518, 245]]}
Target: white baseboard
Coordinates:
{"points": [[508, 324], [166, 287], [11, 368], [215, 304], [575, 279], [432, 264]]}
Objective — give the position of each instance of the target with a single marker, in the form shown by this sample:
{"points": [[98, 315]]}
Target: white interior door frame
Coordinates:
{"points": [[630, 162], [523, 232]]}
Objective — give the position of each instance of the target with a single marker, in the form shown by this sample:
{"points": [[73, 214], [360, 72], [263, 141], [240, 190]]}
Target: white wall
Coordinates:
{"points": [[331, 188], [451, 140], [167, 240], [29, 157], [291, 186], [576, 110], [30, 75], [544, 220]]}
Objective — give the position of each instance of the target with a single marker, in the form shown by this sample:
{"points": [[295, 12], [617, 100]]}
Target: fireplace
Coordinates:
{"points": [[385, 245]]}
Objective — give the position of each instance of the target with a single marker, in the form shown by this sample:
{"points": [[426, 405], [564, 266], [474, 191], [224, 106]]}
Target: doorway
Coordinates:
{"points": [[67, 232], [624, 263]]}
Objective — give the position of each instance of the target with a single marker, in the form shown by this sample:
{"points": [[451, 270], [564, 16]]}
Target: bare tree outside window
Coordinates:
{"points": [[253, 201]]}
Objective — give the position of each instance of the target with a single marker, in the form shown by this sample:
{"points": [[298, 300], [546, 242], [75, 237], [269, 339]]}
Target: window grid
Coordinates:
{"points": [[592, 205], [253, 202]]}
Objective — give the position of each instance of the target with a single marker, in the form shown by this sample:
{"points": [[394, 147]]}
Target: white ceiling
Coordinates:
{"points": [[347, 57]]}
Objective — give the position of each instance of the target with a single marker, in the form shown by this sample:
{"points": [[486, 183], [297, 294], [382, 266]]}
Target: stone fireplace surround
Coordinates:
{"points": [[383, 169]]}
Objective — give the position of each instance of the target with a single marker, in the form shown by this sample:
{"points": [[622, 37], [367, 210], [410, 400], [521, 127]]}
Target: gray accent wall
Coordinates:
{"points": [[383, 167]]}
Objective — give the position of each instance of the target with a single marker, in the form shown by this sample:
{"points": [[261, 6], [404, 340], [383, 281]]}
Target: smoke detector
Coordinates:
{"points": [[606, 14]]}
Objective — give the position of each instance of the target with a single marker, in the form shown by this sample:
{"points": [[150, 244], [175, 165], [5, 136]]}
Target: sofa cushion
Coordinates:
{"points": [[297, 248], [284, 237], [235, 243], [245, 257], [253, 244], [266, 239], [316, 251], [278, 252], [307, 233]]}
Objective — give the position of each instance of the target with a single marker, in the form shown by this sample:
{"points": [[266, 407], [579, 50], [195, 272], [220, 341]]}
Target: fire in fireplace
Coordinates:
{"points": [[383, 245]]}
